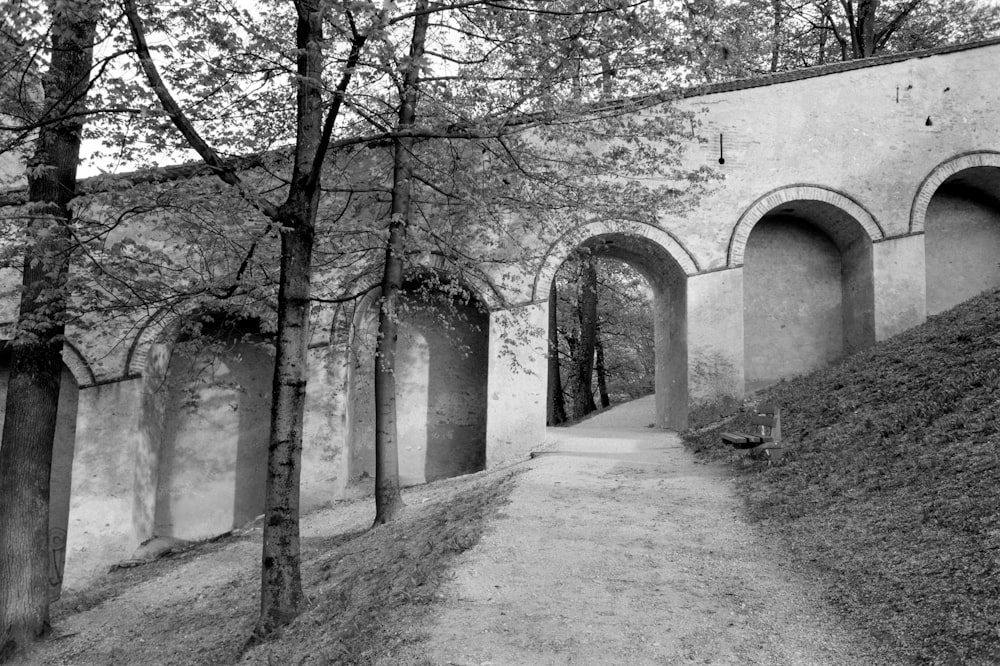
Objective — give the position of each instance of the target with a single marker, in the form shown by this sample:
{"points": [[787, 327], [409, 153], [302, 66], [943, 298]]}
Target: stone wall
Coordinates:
{"points": [[853, 200]]}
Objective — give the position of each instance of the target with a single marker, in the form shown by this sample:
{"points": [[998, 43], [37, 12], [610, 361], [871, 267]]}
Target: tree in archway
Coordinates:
{"points": [[586, 341], [626, 330], [623, 358], [556, 399]]}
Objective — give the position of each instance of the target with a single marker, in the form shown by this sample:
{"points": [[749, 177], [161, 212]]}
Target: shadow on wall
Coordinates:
{"points": [[441, 391], [962, 238], [212, 456], [808, 291], [456, 392]]}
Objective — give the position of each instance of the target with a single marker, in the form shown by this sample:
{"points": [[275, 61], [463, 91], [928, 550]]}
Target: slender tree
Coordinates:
{"points": [[36, 365], [601, 369], [295, 218], [556, 399], [388, 500], [586, 312]]}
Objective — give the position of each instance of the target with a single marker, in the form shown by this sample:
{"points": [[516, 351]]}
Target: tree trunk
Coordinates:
{"points": [[281, 586], [556, 400], [583, 396], [602, 380], [824, 20], [863, 29], [281, 578], [388, 499], [775, 34], [36, 366]]}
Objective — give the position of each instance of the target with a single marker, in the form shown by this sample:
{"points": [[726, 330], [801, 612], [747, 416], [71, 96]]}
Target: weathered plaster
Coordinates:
{"points": [[962, 246], [899, 300], [516, 382], [715, 335]]}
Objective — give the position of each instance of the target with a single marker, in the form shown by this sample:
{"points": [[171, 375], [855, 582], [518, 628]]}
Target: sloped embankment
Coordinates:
{"points": [[892, 489]]}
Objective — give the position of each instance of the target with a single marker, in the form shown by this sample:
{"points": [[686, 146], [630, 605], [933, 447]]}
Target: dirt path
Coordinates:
{"points": [[618, 548]]}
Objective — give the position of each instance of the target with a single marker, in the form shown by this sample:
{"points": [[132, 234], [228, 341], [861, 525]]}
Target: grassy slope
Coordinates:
{"points": [[368, 590], [892, 492]]}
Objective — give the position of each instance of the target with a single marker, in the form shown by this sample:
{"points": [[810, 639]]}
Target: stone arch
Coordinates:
{"points": [[665, 264], [484, 288], [441, 373], [770, 201], [942, 172], [161, 328], [957, 209], [808, 281], [560, 249], [77, 365]]}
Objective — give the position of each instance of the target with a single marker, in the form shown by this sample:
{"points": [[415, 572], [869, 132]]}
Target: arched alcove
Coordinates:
{"points": [[808, 291], [441, 380], [958, 208], [213, 406], [637, 246]]}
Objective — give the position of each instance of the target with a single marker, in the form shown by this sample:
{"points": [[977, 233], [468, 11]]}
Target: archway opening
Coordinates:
{"points": [[617, 329], [60, 478], [213, 453], [441, 382], [808, 294], [962, 238]]}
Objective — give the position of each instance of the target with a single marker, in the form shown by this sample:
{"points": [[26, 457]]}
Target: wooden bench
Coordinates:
{"points": [[766, 423]]}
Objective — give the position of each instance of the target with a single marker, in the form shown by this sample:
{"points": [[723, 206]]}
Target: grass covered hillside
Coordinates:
{"points": [[891, 489]]}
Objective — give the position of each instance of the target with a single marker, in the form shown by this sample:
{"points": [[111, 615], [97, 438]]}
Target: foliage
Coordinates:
{"points": [[890, 487], [754, 37], [625, 325]]}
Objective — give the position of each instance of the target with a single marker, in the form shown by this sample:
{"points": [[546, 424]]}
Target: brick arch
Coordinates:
{"points": [[941, 173], [159, 328], [165, 323], [346, 317], [765, 204], [77, 365], [560, 249], [481, 286]]}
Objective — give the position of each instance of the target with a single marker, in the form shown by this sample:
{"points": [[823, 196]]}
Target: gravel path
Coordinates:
{"points": [[618, 548]]}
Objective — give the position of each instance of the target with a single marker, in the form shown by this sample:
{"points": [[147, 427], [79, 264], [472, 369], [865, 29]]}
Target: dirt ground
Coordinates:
{"points": [[616, 548]]}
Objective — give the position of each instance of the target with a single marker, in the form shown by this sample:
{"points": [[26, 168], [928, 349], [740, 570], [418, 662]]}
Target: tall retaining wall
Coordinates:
{"points": [[853, 200]]}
